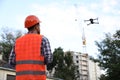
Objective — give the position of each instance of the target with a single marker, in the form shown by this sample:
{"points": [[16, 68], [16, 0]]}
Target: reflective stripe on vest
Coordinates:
{"points": [[31, 72], [29, 61]]}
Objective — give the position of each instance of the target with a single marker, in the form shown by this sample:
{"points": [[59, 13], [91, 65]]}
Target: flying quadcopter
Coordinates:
{"points": [[92, 21]]}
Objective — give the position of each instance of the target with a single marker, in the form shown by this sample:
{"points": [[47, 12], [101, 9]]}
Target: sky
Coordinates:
{"points": [[59, 23]]}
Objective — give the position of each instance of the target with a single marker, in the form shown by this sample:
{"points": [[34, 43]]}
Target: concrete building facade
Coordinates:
{"points": [[81, 61], [94, 70], [88, 69], [7, 73]]}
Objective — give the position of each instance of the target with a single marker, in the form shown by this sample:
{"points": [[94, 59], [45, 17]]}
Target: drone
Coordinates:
{"points": [[92, 21]]}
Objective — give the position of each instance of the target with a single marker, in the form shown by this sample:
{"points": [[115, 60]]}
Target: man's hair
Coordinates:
{"points": [[32, 27]]}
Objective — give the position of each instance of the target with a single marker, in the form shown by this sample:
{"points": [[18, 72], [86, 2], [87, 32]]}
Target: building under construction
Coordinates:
{"points": [[88, 69]]}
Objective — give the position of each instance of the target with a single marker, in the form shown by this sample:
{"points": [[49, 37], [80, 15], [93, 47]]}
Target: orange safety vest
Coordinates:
{"points": [[29, 61]]}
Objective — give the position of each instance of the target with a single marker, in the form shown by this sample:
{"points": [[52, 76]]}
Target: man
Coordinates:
{"points": [[31, 52]]}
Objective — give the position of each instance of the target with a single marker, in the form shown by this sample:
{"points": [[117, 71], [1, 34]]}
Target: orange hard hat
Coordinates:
{"points": [[31, 20]]}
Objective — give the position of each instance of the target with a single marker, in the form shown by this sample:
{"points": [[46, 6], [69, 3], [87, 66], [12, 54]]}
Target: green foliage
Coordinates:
{"points": [[7, 41], [57, 55], [103, 77], [109, 57], [63, 64]]}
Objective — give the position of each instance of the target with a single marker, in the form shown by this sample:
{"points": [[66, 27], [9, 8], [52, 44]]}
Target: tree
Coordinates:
{"points": [[103, 77], [7, 41], [109, 57], [63, 65]]}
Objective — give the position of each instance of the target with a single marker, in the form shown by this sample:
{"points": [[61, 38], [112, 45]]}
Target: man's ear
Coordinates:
{"points": [[37, 28]]}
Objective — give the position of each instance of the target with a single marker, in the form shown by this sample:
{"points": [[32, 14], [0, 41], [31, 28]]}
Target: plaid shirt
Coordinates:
{"points": [[45, 50]]}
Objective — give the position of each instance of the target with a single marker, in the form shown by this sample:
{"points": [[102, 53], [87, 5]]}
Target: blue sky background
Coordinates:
{"points": [[58, 20]]}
